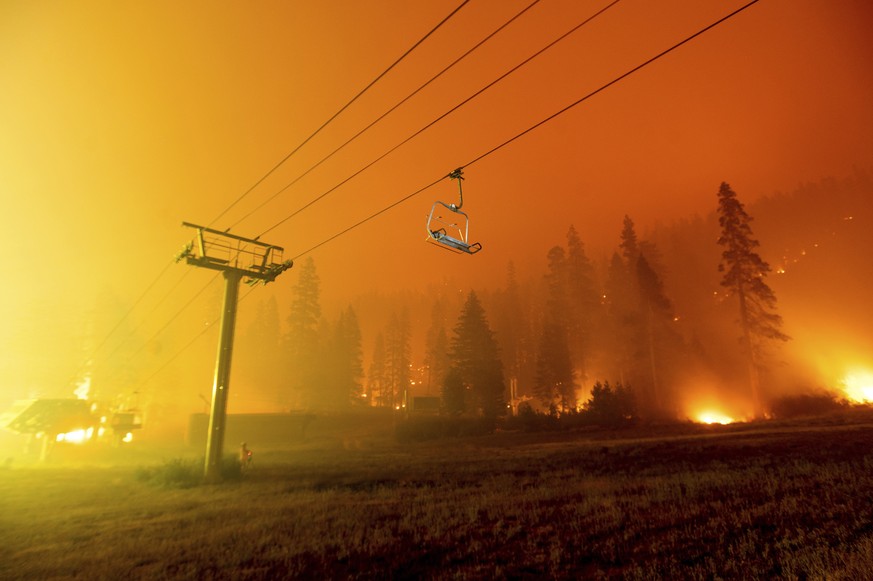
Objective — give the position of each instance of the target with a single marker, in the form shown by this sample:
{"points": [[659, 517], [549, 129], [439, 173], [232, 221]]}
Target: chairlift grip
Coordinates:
{"points": [[458, 174]]}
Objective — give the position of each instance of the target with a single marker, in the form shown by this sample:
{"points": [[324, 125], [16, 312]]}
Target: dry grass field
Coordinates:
{"points": [[790, 501]]}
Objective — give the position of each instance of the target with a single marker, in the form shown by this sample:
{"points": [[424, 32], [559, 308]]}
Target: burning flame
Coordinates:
{"points": [[76, 436], [714, 417], [858, 386]]}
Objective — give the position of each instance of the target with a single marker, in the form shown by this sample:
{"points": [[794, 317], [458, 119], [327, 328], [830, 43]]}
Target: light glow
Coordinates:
{"points": [[83, 388], [858, 386], [79, 436], [714, 417]]}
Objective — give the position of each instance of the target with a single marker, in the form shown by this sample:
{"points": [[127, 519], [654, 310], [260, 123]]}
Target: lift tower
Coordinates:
{"points": [[237, 258]]}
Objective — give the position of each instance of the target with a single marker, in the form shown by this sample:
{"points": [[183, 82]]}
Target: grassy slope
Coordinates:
{"points": [[789, 501]]}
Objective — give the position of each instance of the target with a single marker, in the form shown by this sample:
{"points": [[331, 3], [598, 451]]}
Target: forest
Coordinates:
{"points": [[657, 316]]}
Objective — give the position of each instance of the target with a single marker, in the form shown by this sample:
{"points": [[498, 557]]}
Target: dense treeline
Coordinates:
{"points": [[656, 315]]}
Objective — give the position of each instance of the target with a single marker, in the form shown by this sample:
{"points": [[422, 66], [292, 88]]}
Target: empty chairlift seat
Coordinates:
{"points": [[449, 227]]}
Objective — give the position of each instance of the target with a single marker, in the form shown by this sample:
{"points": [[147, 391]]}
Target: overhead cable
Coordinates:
{"points": [[337, 114], [611, 83], [209, 326], [146, 317], [123, 318], [284, 159], [173, 318], [497, 148], [441, 117], [388, 112], [535, 126]]}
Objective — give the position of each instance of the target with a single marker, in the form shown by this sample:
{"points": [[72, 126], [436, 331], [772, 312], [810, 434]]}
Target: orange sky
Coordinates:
{"points": [[119, 120]]}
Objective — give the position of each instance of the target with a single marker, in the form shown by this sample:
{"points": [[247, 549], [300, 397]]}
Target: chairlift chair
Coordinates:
{"points": [[451, 234]]}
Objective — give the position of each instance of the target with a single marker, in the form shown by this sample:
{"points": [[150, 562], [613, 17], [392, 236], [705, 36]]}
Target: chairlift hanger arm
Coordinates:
{"points": [[458, 174]]}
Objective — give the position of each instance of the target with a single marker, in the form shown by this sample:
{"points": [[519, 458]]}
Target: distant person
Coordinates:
{"points": [[245, 457]]}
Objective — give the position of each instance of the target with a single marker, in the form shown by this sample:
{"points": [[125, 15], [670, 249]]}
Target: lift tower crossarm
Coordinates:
{"points": [[226, 252], [236, 257]]}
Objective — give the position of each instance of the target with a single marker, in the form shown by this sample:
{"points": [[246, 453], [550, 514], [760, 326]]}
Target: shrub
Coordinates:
{"points": [[174, 473], [610, 406], [795, 406], [529, 420], [182, 473]]}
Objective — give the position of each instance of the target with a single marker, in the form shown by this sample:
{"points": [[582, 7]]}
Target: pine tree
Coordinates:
{"points": [[476, 357], [630, 247], [377, 375], [398, 359], [640, 312], [345, 367], [556, 282], [655, 312], [744, 273], [436, 356], [302, 340], [621, 316], [512, 327], [582, 303], [453, 393], [555, 379], [610, 406]]}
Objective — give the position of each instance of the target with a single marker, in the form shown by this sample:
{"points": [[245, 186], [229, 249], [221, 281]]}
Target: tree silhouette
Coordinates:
{"points": [[654, 316], [302, 340], [630, 246], [744, 273], [436, 349], [640, 314], [582, 304], [452, 391], [397, 359], [378, 383], [512, 325], [619, 334], [344, 361], [554, 378], [475, 355], [610, 406]]}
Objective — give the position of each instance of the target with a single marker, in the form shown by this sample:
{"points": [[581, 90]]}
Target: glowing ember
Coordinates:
{"points": [[710, 417], [858, 386]]}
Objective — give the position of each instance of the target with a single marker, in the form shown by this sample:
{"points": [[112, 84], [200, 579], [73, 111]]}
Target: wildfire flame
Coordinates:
{"points": [[714, 417], [76, 436], [858, 386]]}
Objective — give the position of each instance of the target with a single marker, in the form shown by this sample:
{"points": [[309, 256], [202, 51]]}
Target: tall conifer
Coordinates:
{"points": [[744, 273], [475, 355]]}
